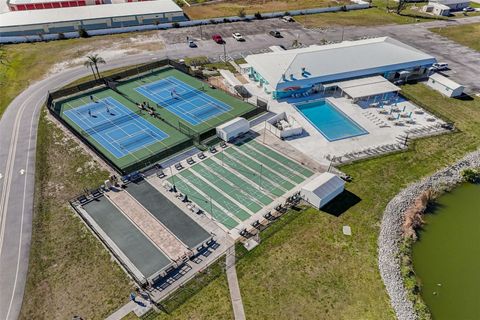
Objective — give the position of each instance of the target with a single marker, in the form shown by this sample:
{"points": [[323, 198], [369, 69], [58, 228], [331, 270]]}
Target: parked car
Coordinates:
{"points": [[238, 36], [440, 66], [468, 9], [217, 38], [287, 19], [275, 33], [192, 44]]}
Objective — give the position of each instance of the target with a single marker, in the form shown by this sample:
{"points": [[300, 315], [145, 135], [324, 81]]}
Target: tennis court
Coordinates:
{"points": [[187, 102], [115, 127]]}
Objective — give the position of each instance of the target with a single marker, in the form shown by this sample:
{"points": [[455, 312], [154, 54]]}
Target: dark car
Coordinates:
{"points": [[275, 33], [217, 38]]}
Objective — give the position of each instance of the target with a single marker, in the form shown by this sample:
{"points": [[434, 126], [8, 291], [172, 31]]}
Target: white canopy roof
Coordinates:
{"points": [[367, 87]]}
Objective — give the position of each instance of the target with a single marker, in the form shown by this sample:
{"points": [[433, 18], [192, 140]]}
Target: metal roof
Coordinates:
{"points": [[34, 17], [367, 87], [324, 185], [445, 81], [338, 61]]}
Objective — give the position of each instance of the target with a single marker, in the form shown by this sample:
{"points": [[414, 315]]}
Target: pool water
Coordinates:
{"points": [[332, 123], [447, 256]]}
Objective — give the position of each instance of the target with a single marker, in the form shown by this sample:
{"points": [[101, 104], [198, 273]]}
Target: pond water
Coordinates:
{"points": [[447, 255]]}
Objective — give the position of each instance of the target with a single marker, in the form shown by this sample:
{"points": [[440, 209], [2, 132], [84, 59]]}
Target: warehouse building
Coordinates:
{"points": [[62, 20], [307, 70], [21, 5]]}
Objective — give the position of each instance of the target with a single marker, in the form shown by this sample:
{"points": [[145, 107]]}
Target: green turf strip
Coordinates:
{"points": [[278, 168], [262, 170], [251, 190], [234, 193], [249, 174], [203, 202], [277, 156], [226, 203]]}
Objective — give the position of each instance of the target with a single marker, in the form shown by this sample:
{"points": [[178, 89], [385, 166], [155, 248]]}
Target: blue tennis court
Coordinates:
{"points": [[188, 103], [115, 127]]}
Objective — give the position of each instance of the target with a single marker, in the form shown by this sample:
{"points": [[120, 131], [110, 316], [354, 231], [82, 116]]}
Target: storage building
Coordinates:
{"points": [[233, 128], [322, 189], [445, 85]]}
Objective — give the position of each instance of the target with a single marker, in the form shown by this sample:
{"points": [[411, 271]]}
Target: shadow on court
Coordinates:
{"points": [[341, 203]]}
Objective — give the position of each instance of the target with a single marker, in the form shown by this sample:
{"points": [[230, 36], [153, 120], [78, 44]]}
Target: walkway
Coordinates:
{"points": [[235, 295]]}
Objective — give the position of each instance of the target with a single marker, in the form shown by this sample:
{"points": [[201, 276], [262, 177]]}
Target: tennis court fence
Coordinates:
{"points": [[56, 98]]}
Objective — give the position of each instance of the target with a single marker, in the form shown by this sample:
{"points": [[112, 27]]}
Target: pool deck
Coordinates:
{"points": [[312, 143]]}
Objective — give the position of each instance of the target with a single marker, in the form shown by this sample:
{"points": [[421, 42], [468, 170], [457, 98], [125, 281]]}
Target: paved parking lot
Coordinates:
{"points": [[463, 61]]}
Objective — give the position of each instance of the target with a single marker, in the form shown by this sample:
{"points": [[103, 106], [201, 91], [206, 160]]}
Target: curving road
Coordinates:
{"points": [[18, 126]]}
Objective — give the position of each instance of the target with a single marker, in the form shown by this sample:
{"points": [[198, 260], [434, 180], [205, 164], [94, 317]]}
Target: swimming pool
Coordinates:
{"points": [[332, 123]]}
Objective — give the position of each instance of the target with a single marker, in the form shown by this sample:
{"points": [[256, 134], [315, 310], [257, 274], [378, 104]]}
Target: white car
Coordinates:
{"points": [[287, 19], [440, 66], [238, 36]]}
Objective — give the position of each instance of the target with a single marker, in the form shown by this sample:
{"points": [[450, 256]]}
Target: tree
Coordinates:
{"points": [[89, 64], [93, 61], [241, 13], [402, 5]]}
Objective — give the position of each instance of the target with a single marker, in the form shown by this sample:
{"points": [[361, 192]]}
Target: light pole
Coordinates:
{"points": [[224, 51]]}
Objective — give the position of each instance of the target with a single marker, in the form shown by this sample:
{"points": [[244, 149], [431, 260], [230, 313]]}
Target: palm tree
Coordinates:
{"points": [[89, 64], [95, 60]]}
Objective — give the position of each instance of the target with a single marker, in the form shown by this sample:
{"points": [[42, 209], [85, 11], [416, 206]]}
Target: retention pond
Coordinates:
{"points": [[447, 255]]}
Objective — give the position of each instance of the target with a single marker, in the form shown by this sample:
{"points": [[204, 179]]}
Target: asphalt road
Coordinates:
{"points": [[18, 126]]}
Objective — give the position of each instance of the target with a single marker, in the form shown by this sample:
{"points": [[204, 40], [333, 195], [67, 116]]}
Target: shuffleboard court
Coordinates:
{"points": [[174, 219], [226, 203], [205, 203], [280, 158], [263, 171], [275, 166], [251, 189], [235, 193], [249, 174], [185, 101], [115, 127], [134, 245]]}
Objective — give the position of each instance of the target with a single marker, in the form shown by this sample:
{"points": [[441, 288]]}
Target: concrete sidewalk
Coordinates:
{"points": [[235, 295]]}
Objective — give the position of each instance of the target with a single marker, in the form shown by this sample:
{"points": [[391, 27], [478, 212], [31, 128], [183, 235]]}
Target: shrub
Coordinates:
{"points": [[471, 175], [225, 20], [241, 13], [258, 15], [175, 25], [82, 33]]}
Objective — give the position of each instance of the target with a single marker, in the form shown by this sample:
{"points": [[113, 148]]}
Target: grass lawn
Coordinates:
{"points": [[467, 34], [309, 269], [377, 15], [70, 272], [232, 7]]}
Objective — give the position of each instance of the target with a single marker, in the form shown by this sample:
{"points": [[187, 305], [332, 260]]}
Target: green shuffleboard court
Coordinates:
{"points": [[240, 181]]}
